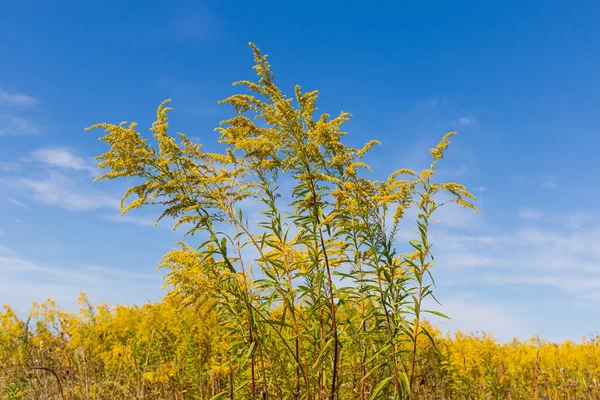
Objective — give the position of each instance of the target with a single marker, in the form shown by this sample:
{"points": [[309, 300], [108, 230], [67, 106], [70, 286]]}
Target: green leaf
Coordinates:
{"points": [[220, 396], [380, 387], [439, 314], [416, 244], [426, 332], [224, 246], [375, 369], [279, 323], [251, 350], [322, 353], [381, 350], [223, 394]]}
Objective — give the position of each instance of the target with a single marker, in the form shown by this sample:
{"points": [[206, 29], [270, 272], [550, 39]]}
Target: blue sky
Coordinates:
{"points": [[518, 80]]}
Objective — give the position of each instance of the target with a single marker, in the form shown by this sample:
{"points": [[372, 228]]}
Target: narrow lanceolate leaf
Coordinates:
{"points": [[220, 396], [322, 353], [439, 314], [379, 388], [375, 370], [252, 349], [381, 350], [278, 323], [224, 394]]}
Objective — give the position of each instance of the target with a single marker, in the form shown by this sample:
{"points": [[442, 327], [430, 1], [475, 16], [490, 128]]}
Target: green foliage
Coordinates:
{"points": [[13, 392]]}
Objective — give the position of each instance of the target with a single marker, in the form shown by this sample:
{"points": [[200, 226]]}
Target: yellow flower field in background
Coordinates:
{"points": [[167, 350]]}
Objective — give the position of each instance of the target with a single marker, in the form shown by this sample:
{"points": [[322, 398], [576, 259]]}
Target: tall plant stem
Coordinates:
{"points": [[331, 296]]}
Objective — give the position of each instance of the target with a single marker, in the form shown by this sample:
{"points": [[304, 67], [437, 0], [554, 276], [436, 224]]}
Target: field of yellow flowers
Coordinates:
{"points": [[166, 350]]}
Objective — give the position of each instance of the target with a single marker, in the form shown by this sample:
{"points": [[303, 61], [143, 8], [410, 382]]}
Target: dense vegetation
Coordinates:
{"points": [[297, 285], [169, 350]]}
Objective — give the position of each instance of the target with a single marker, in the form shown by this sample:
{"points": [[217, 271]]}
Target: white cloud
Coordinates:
{"points": [[579, 219], [17, 203], [465, 121], [530, 214], [452, 246], [549, 182], [433, 103], [62, 158], [13, 125], [471, 260], [566, 260], [470, 315], [10, 263], [119, 273], [25, 281], [199, 24], [518, 180], [562, 251], [447, 173], [141, 221], [569, 284], [60, 191], [454, 216], [7, 166], [13, 99]]}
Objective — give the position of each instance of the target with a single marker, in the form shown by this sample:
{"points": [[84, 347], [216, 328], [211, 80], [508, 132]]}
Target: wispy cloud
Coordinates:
{"points": [[14, 99], [25, 281], [566, 260], [546, 182], [200, 23], [472, 314], [465, 121], [14, 125], [456, 217], [570, 284], [119, 273], [549, 182], [8, 166], [17, 203], [141, 221], [470, 260], [454, 172], [433, 103], [63, 158], [531, 214], [578, 220], [518, 180], [62, 192]]}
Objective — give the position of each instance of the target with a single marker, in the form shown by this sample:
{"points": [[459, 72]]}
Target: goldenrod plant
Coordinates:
{"points": [[274, 279]]}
